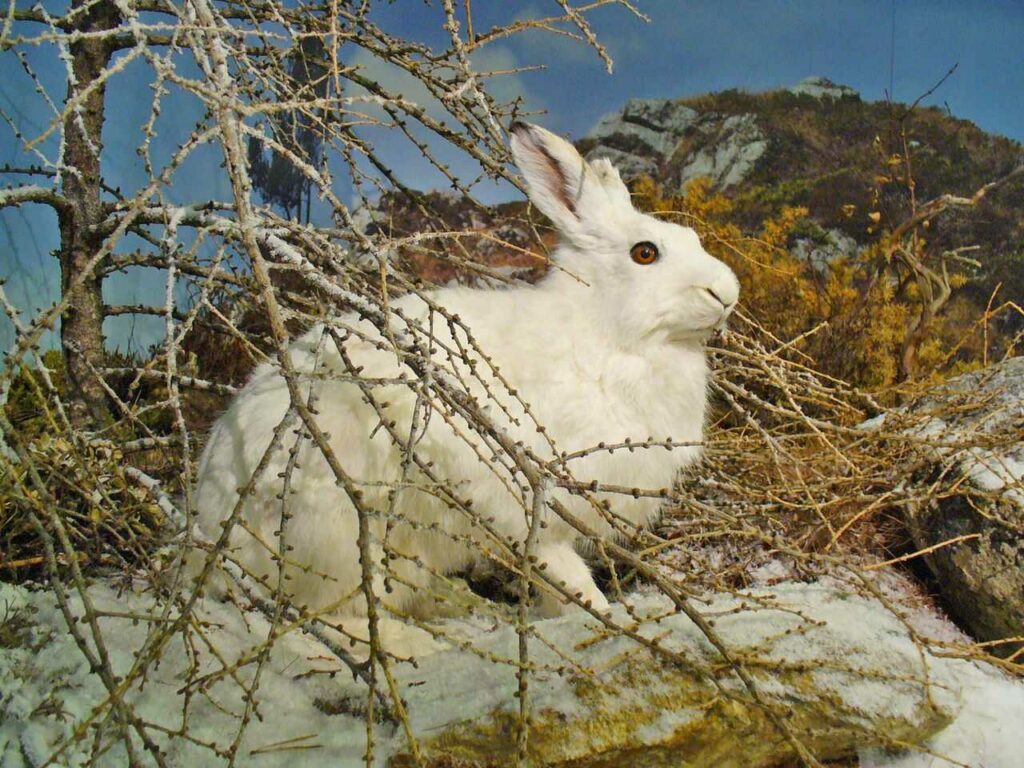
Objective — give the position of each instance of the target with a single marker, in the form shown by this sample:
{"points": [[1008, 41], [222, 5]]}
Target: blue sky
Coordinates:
{"points": [[687, 48], [692, 47]]}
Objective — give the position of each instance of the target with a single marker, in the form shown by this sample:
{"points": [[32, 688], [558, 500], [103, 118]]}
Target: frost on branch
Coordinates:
{"points": [[115, 655]]}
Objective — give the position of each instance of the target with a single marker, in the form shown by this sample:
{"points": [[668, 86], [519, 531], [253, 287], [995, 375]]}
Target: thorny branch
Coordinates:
{"points": [[240, 281]]}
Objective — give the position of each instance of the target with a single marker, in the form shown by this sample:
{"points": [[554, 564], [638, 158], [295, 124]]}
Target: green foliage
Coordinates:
{"points": [[27, 393], [110, 518], [279, 179], [30, 405]]}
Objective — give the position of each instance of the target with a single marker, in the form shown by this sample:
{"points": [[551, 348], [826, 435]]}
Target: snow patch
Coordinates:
{"points": [[47, 689]]}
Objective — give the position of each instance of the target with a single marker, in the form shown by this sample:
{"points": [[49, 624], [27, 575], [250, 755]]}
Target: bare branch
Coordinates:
{"points": [[16, 196]]}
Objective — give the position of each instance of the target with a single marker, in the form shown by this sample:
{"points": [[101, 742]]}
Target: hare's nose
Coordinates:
{"points": [[725, 290], [715, 296]]}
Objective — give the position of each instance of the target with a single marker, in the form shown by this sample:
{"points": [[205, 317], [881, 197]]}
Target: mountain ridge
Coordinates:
{"points": [[859, 167]]}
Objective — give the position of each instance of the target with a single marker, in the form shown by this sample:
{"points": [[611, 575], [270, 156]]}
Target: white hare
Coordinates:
{"points": [[608, 346]]}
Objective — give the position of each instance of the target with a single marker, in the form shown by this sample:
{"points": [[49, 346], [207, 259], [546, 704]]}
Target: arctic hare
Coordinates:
{"points": [[608, 346]]}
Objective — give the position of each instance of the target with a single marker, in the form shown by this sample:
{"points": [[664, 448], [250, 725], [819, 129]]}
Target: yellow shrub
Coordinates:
{"points": [[855, 325]]}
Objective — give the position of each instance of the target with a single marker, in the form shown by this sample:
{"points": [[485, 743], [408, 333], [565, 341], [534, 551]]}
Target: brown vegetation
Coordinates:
{"points": [[97, 462]]}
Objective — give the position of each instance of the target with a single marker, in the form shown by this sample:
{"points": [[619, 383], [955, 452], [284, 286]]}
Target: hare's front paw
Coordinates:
{"points": [[396, 637], [563, 566]]}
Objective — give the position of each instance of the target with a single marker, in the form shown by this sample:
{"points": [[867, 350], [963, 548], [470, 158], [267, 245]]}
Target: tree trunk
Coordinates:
{"points": [[82, 323]]}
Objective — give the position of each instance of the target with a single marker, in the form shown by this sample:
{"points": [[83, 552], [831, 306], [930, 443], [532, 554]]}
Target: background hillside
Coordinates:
{"points": [[890, 235], [855, 166], [807, 193]]}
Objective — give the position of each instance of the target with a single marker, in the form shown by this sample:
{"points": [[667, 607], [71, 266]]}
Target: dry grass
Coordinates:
{"points": [[789, 476]]}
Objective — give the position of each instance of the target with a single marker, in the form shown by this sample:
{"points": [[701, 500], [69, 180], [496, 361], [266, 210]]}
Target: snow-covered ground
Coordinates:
{"points": [[310, 718], [985, 734]]}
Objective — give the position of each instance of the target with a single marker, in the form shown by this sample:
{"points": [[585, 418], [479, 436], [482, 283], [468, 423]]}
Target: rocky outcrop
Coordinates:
{"points": [[642, 709], [828, 246], [669, 140], [675, 143], [822, 88], [726, 150], [841, 670], [657, 124], [641, 137], [978, 431]]}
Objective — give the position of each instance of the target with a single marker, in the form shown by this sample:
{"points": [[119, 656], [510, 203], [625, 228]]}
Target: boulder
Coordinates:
{"points": [[655, 123], [841, 670], [820, 252], [976, 422], [675, 143]]}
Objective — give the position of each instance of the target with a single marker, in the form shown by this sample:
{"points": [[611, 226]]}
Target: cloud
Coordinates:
{"points": [[497, 64], [505, 86], [616, 28]]}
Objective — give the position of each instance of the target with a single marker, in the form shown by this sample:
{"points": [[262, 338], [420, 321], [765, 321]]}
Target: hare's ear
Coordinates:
{"points": [[554, 173], [611, 182]]}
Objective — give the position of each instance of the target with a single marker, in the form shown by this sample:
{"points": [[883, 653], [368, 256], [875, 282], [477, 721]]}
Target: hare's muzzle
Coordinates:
{"points": [[711, 292], [722, 292]]}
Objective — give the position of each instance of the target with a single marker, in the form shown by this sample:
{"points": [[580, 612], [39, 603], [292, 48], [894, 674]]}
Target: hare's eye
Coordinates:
{"points": [[644, 253]]}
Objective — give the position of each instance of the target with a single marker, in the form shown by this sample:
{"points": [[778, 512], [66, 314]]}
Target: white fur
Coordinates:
{"points": [[602, 349]]}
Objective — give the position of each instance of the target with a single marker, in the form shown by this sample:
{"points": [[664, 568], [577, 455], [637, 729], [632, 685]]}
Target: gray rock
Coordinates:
{"points": [[843, 669], [630, 165], [656, 123], [665, 138], [979, 467], [642, 136], [821, 252], [732, 148], [822, 88]]}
